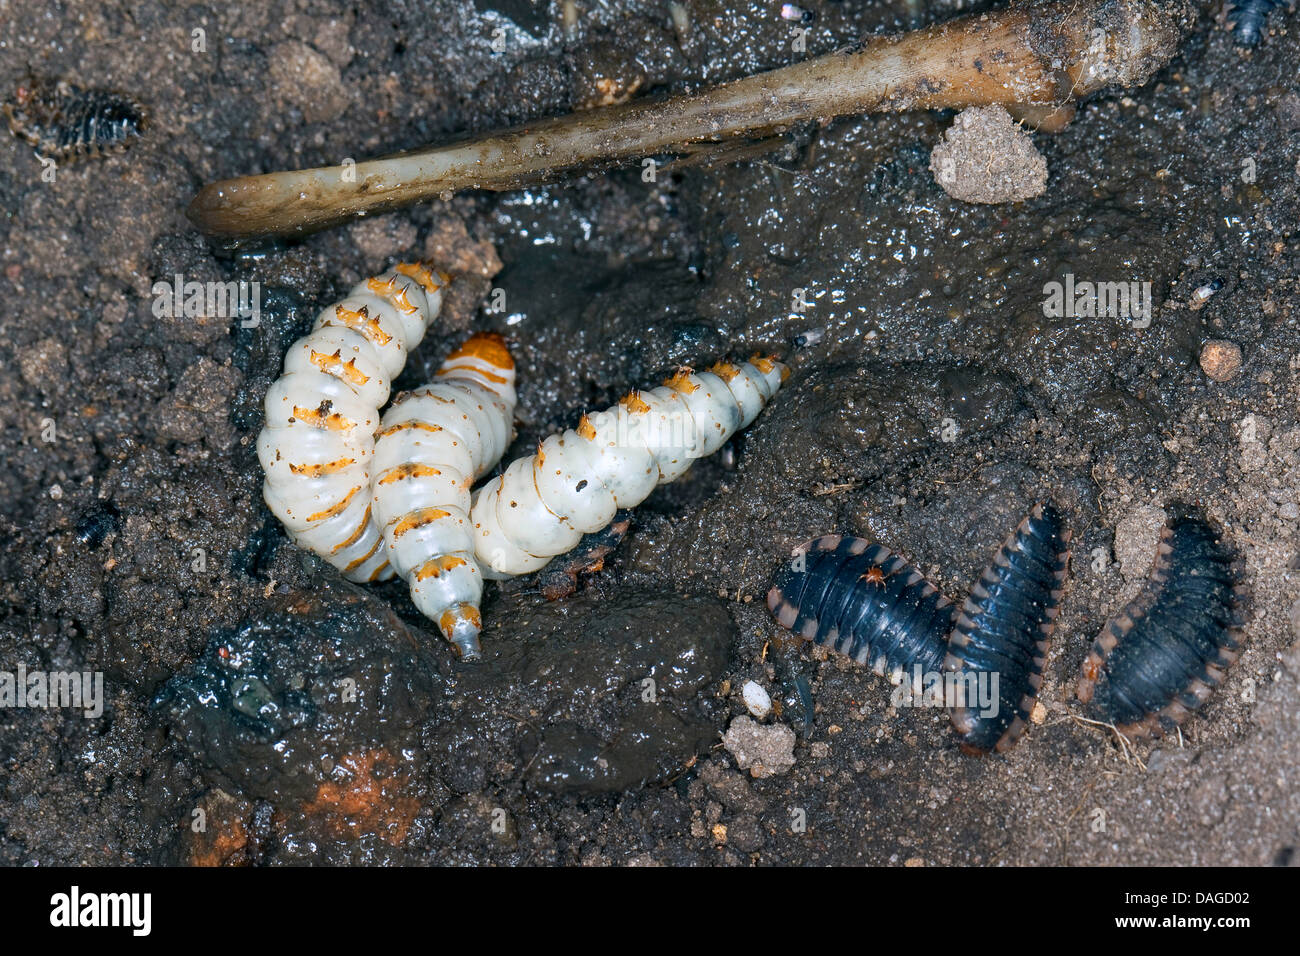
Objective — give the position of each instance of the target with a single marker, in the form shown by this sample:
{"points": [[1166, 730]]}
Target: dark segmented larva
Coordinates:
{"points": [[66, 122], [1005, 627], [1248, 19], [864, 601], [1162, 656]]}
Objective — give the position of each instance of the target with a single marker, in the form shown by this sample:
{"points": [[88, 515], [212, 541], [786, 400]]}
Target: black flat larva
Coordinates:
{"points": [[66, 122], [101, 520], [864, 601], [1162, 656], [1004, 630], [1248, 19]]}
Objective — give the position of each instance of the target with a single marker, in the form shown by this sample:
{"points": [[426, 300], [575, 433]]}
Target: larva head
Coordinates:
{"points": [[486, 356], [489, 348]]}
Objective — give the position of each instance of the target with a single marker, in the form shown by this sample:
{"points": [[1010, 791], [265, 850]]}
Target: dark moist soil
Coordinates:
{"points": [[309, 719]]}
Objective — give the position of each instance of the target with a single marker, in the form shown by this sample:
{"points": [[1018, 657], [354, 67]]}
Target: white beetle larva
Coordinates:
{"points": [[544, 503], [433, 443], [321, 416]]}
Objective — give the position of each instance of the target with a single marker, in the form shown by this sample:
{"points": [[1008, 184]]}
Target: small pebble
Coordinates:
{"points": [[757, 701], [762, 749], [1039, 713], [1220, 360]]}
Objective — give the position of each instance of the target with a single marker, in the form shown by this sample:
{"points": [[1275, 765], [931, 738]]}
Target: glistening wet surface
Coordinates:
{"points": [[313, 720]]}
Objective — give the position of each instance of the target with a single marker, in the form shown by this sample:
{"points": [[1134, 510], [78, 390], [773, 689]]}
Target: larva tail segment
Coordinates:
{"points": [[1160, 658], [461, 624], [543, 504], [999, 643], [321, 414], [860, 599], [431, 445]]}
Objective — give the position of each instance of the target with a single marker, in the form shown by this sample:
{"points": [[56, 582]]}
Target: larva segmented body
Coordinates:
{"points": [[862, 600], [1162, 656], [321, 416], [544, 503], [66, 122], [1004, 630], [432, 444], [1248, 19]]}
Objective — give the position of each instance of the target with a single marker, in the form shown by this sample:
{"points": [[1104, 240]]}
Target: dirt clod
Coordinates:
{"points": [[1221, 360], [308, 81], [986, 157], [764, 751]]}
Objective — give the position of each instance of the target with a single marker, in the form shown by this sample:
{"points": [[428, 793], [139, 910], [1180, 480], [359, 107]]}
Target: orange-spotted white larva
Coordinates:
{"points": [[322, 413], [544, 503], [432, 445]]}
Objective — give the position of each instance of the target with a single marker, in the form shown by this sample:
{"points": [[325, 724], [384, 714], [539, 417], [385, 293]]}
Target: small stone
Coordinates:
{"points": [[719, 833], [986, 157], [302, 77], [914, 862], [44, 364], [763, 750], [757, 701], [1039, 713], [1220, 360]]}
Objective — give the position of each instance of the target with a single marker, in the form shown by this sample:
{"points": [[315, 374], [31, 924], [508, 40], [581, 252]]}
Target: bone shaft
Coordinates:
{"points": [[1029, 57]]}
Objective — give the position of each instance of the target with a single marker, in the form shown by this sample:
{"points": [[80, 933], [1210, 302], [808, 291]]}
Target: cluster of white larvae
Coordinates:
{"points": [[376, 497]]}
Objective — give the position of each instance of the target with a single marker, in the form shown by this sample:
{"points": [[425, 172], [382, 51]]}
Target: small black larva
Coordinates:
{"points": [[1248, 20], [1163, 655], [1005, 627], [67, 122]]}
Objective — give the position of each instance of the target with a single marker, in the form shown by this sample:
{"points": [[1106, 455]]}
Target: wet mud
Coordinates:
{"points": [[259, 710]]}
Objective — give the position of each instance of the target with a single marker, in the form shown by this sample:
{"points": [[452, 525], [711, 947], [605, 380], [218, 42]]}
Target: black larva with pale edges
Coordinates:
{"points": [[1005, 627], [68, 122], [1162, 656], [1248, 20], [862, 600]]}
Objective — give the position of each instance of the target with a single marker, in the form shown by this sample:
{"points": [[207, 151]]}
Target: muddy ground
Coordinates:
{"points": [[311, 720]]}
